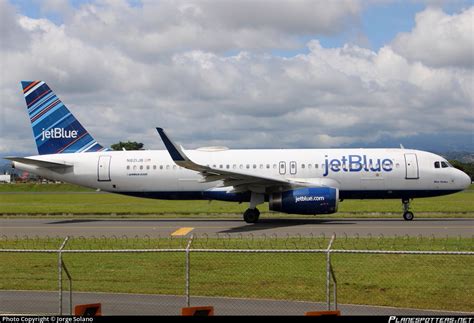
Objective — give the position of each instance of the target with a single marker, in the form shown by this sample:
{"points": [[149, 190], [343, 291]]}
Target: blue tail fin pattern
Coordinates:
{"points": [[55, 129]]}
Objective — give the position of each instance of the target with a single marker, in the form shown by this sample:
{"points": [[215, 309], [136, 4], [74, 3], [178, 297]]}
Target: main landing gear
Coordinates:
{"points": [[252, 214], [407, 215]]}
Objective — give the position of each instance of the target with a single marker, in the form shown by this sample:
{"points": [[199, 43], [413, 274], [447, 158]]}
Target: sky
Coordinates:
{"points": [[247, 73]]}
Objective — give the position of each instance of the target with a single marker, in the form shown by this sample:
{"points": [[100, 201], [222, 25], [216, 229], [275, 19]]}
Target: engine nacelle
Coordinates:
{"points": [[312, 200]]}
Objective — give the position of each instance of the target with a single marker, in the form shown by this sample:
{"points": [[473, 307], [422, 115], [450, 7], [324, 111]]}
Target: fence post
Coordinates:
{"points": [[70, 287], [60, 273], [328, 272], [188, 268]]}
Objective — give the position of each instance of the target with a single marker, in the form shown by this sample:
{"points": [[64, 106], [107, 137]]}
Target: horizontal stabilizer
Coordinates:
{"points": [[39, 163]]}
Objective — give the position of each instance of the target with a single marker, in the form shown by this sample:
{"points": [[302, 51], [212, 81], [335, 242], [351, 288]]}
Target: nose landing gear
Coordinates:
{"points": [[407, 215]]}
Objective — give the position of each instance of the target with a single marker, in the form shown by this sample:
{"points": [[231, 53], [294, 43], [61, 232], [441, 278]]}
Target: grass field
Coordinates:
{"points": [[66, 200], [434, 282]]}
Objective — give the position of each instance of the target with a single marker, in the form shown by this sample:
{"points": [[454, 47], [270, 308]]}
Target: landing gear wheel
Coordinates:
{"points": [[251, 215], [408, 216]]}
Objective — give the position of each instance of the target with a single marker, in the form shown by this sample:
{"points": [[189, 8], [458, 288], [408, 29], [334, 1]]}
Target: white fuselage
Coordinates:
{"points": [[357, 173]]}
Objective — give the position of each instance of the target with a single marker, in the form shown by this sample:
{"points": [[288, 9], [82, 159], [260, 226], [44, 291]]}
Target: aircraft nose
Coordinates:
{"points": [[464, 180]]}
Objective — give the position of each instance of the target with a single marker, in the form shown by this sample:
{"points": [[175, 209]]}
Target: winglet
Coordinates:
{"points": [[175, 151], [177, 154]]}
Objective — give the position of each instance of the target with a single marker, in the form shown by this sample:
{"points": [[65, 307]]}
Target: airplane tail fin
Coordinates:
{"points": [[55, 129]]}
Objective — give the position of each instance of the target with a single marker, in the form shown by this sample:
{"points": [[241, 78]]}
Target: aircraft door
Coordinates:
{"points": [[293, 168], [411, 164], [103, 169], [282, 168]]}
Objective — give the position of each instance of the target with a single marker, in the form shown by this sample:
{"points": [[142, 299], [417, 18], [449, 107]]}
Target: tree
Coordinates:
{"points": [[129, 145]]}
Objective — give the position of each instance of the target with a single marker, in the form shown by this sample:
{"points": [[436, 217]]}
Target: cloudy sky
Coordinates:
{"points": [[246, 73]]}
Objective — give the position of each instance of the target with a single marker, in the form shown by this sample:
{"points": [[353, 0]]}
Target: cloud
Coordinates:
{"points": [[158, 28], [12, 36], [121, 84], [439, 39]]}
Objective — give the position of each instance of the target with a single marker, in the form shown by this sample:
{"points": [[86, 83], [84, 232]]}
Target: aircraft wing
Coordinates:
{"points": [[39, 163], [240, 181]]}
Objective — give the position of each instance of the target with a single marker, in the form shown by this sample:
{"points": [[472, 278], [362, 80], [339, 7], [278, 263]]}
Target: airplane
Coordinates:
{"points": [[292, 181]]}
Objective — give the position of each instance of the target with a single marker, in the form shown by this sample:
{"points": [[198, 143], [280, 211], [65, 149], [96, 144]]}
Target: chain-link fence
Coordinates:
{"points": [[244, 275]]}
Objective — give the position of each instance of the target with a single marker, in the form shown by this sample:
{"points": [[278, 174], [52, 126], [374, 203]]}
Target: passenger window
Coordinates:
{"points": [[268, 166], [174, 166], [167, 167], [254, 166], [274, 166], [436, 164], [141, 166], [220, 166], [302, 166], [234, 166], [247, 166], [154, 166], [309, 166], [147, 166], [241, 166], [261, 166], [134, 167], [128, 166], [444, 165], [316, 166], [161, 166]]}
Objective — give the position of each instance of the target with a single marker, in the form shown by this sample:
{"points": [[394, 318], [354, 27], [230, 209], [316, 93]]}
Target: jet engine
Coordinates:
{"points": [[312, 200]]}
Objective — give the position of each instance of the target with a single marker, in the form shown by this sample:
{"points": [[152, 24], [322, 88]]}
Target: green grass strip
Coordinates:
{"points": [[456, 205]]}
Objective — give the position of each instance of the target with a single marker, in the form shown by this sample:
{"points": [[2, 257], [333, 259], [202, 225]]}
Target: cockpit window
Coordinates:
{"points": [[444, 164], [436, 164]]}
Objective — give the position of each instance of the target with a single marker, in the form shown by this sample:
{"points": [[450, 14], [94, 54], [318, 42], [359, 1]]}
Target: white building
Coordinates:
{"points": [[5, 178]]}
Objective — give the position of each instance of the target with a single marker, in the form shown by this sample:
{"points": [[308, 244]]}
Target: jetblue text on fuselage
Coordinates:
{"points": [[55, 133], [357, 163]]}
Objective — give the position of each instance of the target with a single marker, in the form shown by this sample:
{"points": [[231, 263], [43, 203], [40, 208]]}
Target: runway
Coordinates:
{"points": [[46, 303], [270, 227]]}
